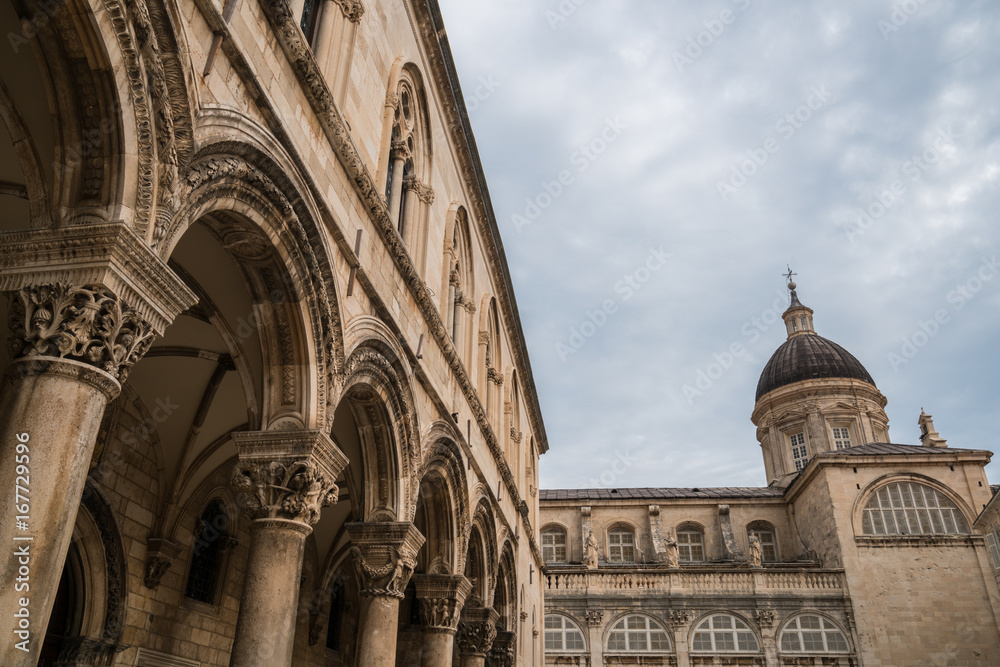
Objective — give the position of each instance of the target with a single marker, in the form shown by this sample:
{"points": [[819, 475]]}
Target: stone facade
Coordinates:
{"points": [[263, 360], [805, 571]]}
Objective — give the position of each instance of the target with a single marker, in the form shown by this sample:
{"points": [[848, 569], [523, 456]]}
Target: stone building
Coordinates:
{"points": [[267, 399], [858, 552]]}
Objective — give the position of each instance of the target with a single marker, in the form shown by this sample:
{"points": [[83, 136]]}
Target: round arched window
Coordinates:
{"points": [[724, 633], [812, 633], [908, 508], [637, 634], [562, 634]]}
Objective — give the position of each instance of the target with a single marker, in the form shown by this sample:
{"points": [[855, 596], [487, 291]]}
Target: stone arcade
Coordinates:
{"points": [[267, 400]]}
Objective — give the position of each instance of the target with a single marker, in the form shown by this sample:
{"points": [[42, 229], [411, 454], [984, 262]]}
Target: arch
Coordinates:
{"points": [[513, 435], [442, 507], [952, 508], [211, 536], [490, 360], [505, 594], [377, 388], [812, 632], [632, 632], [563, 634], [278, 241], [110, 554], [724, 632], [458, 280], [482, 557]]}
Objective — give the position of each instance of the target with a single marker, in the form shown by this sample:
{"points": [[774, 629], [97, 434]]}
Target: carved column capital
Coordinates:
{"points": [[288, 475], [477, 630], [94, 294], [353, 9], [384, 556], [503, 652], [440, 598], [398, 150]]}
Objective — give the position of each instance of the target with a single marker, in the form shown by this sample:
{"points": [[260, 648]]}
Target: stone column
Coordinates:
{"points": [[86, 302], [476, 632], [503, 652], [680, 625], [595, 621], [765, 619], [398, 154], [440, 598], [282, 479], [384, 557]]}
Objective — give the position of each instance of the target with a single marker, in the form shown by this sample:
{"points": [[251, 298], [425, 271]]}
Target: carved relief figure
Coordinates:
{"points": [[673, 552]]}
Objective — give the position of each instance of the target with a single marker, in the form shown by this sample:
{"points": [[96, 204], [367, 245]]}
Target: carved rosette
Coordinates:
{"points": [[503, 652], [476, 631], [440, 598], [384, 556], [286, 475], [89, 324]]}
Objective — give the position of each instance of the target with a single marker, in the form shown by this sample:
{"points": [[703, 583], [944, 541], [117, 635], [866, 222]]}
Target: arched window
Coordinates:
{"points": [[768, 540], [724, 633], [492, 360], [690, 544], [338, 605], [812, 633], [458, 273], [210, 540], [562, 634], [409, 149], [908, 508], [621, 545], [554, 545], [637, 634], [514, 435]]}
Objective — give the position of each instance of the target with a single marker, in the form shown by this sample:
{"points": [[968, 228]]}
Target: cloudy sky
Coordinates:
{"points": [[654, 166]]}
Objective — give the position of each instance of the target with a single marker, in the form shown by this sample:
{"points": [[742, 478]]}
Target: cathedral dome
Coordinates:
{"points": [[809, 357]]}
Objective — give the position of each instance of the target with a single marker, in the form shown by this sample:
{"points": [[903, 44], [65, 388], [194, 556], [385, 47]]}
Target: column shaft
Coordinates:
{"points": [[265, 630], [50, 411], [439, 647], [396, 190]]}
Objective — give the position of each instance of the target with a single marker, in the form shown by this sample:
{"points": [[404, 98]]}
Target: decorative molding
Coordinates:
{"points": [[114, 559], [160, 554], [108, 256], [765, 617], [594, 617], [353, 9], [476, 631], [422, 190], [88, 324], [440, 598], [680, 618], [384, 556], [286, 474]]}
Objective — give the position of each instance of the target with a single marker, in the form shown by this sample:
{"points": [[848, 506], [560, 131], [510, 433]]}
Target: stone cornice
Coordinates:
{"points": [[107, 254]]}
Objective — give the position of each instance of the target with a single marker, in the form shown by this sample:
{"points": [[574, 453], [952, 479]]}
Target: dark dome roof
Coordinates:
{"points": [[808, 357]]}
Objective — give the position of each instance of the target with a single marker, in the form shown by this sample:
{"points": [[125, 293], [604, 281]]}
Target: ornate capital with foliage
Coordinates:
{"points": [[89, 324], [440, 598], [287, 474], [384, 556], [503, 652], [476, 631]]}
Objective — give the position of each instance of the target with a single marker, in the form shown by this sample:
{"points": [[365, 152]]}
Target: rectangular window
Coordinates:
{"points": [[554, 546], [768, 545], [993, 542], [690, 547], [621, 546], [800, 455], [841, 437]]}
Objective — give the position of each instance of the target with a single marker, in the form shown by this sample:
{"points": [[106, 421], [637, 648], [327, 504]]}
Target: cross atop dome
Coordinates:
{"points": [[798, 318]]}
